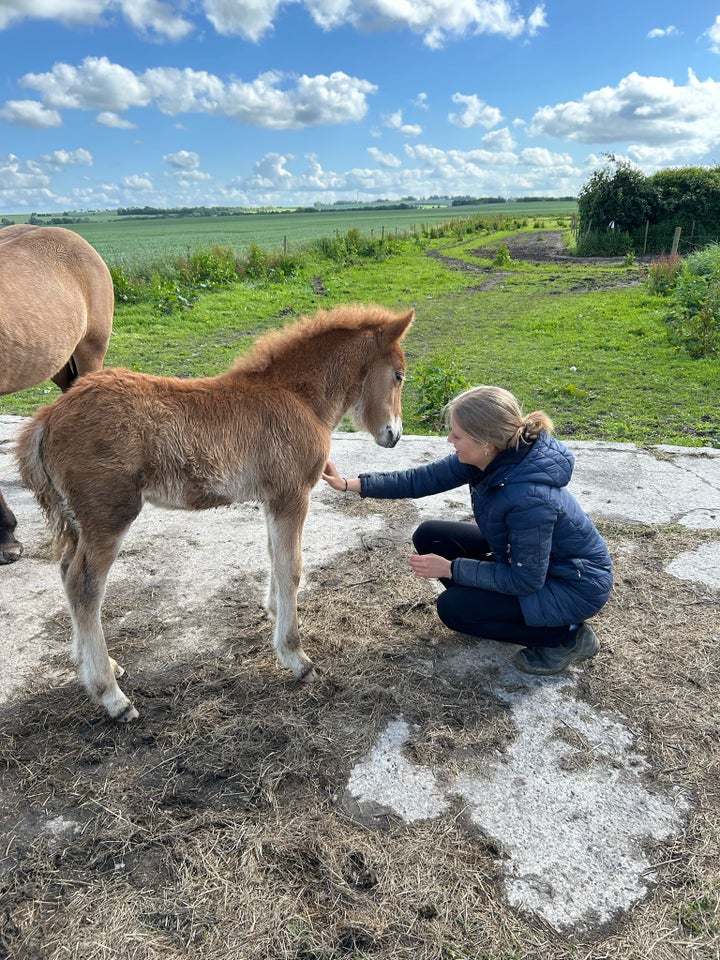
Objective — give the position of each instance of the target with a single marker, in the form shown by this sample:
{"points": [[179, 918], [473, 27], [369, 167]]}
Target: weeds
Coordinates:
{"points": [[662, 274], [502, 258], [437, 381], [694, 320]]}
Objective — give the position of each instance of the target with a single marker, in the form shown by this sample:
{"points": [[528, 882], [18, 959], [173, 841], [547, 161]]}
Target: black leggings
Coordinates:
{"points": [[470, 610]]}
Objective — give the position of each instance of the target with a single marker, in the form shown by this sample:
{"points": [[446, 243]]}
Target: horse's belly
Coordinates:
{"points": [[200, 496], [34, 360]]}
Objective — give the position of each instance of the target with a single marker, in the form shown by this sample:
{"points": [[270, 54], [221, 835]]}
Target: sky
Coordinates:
{"points": [[115, 103]]}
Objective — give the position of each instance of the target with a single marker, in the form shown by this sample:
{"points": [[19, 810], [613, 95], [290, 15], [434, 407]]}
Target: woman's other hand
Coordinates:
{"points": [[430, 566]]}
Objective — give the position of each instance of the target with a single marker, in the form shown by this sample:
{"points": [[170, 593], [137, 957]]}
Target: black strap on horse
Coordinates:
{"points": [[72, 368]]}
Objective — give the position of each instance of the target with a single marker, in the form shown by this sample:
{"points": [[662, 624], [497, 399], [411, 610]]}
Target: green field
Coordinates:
{"points": [[121, 240], [586, 341]]}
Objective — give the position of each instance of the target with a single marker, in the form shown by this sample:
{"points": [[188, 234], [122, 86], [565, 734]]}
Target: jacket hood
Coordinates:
{"points": [[547, 461]]}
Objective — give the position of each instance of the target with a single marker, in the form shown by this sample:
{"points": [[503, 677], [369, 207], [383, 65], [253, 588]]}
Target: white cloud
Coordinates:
{"points": [[659, 32], [251, 20], [138, 182], [477, 112], [648, 111], [185, 171], [436, 21], [394, 121], [98, 84], [388, 160], [713, 35], [155, 18], [29, 113], [499, 140], [20, 175], [183, 160], [421, 101], [146, 16], [107, 118], [63, 11], [68, 158]]}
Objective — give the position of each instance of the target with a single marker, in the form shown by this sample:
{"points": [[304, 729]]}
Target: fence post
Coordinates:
{"points": [[647, 225], [676, 240]]}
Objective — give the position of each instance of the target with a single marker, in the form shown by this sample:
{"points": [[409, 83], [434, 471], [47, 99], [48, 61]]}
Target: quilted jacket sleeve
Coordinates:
{"points": [[529, 527], [417, 482]]}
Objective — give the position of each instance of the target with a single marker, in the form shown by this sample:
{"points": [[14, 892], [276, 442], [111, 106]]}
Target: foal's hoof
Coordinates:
{"points": [[309, 674], [10, 552], [128, 714]]}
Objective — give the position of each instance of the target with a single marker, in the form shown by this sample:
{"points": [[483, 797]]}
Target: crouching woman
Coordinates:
{"points": [[532, 569]]}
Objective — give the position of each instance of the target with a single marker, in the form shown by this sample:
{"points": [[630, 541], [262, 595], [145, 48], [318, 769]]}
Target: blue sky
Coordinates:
{"points": [[107, 103]]}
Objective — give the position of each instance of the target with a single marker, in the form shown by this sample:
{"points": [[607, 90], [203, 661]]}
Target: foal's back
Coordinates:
{"points": [[189, 444]]}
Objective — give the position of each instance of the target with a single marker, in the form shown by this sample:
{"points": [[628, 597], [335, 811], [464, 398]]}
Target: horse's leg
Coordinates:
{"points": [[270, 603], [66, 376], [84, 572], [285, 522], [10, 548], [66, 561]]}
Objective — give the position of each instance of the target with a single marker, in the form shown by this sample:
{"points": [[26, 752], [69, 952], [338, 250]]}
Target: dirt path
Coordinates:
{"points": [[536, 247]]}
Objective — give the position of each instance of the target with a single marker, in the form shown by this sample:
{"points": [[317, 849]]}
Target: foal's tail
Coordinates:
{"points": [[35, 476]]}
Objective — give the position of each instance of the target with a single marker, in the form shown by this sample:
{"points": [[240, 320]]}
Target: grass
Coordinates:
{"points": [[589, 344]]}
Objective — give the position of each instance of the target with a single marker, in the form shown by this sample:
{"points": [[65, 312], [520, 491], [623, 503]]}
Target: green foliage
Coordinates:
{"points": [[647, 211], [502, 258], [126, 290], [618, 196], [662, 274], [437, 380], [695, 317], [354, 247], [211, 268]]}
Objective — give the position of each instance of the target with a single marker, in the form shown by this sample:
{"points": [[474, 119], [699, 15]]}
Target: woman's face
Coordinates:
{"points": [[470, 450]]}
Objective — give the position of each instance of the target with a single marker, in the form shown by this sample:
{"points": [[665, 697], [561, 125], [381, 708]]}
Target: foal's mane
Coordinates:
{"points": [[343, 319]]}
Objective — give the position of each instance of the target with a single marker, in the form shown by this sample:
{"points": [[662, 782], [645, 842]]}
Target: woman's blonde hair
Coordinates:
{"points": [[493, 415]]}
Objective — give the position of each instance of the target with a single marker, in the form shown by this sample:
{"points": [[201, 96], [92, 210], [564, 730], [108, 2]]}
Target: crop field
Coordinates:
{"points": [[127, 241]]}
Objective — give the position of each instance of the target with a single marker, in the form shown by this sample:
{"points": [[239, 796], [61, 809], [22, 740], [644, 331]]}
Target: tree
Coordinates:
{"points": [[617, 196]]}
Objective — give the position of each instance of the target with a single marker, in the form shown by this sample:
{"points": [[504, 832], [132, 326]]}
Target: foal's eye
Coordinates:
{"points": [[399, 376]]}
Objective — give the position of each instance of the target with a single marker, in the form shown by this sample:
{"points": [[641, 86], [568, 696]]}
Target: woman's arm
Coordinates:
{"points": [[523, 570]]}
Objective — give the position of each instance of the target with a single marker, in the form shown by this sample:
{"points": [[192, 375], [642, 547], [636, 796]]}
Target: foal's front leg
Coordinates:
{"points": [[84, 574], [285, 524]]}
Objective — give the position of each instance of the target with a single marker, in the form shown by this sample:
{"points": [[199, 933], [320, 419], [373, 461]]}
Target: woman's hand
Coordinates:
{"points": [[330, 475], [430, 566]]}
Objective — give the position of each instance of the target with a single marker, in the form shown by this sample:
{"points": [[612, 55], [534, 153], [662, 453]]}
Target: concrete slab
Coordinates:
{"points": [[575, 871]]}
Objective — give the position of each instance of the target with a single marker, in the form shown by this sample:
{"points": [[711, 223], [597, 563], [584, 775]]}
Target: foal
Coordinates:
{"points": [[260, 431]]}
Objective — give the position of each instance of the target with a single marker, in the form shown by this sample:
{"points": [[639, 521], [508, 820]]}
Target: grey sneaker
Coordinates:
{"points": [[544, 661]]}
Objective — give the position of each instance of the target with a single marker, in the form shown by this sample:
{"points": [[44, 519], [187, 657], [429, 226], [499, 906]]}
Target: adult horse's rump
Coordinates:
{"points": [[260, 431], [56, 312]]}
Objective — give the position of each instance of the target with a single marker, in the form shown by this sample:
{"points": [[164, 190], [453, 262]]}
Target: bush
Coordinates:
{"points": [[502, 257], [695, 317], [604, 243], [437, 381], [662, 274]]}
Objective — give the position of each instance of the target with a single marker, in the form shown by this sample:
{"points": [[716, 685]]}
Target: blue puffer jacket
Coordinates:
{"points": [[547, 551]]}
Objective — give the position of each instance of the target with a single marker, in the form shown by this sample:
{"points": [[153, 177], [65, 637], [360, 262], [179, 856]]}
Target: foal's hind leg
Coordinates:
{"points": [[285, 526], [84, 573], [10, 548]]}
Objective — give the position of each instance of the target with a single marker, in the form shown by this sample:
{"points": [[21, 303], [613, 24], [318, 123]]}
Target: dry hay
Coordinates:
{"points": [[216, 826]]}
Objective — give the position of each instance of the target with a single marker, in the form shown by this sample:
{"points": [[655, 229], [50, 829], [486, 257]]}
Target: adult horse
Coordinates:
{"points": [[260, 431], [56, 313]]}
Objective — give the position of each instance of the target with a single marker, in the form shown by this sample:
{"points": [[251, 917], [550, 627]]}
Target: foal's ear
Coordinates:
{"points": [[399, 325]]}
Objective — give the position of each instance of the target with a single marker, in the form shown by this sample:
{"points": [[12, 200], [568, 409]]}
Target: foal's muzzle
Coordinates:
{"points": [[389, 435]]}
